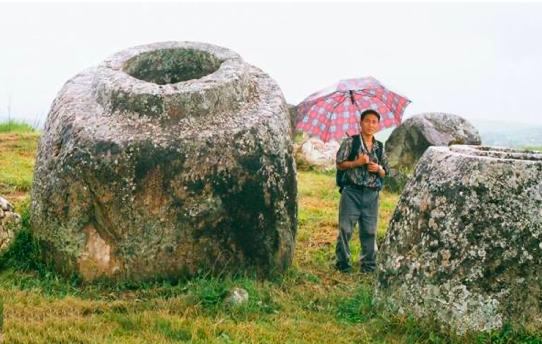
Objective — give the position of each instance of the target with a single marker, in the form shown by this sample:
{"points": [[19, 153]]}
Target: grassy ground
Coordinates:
{"points": [[533, 148], [13, 127], [310, 304], [18, 144]]}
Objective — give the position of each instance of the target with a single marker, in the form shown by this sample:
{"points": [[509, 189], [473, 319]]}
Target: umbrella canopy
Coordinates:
{"points": [[335, 111]]}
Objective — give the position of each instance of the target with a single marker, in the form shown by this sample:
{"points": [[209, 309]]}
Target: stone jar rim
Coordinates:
{"points": [[496, 153], [220, 91]]}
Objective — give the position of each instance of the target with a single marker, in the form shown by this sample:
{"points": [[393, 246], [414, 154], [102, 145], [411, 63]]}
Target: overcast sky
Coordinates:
{"points": [[479, 61]]}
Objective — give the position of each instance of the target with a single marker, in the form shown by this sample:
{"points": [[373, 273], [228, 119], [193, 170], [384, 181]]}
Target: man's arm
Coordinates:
{"points": [[345, 165], [374, 167], [383, 168], [360, 161], [381, 172], [343, 153]]}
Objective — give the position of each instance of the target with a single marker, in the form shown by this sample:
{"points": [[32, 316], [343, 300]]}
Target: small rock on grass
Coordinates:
{"points": [[237, 297]]}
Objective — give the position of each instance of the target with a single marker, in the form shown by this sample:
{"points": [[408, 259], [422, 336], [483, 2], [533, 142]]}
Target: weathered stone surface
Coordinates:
{"points": [[464, 244], [9, 224], [313, 154], [408, 142], [292, 110], [165, 160]]}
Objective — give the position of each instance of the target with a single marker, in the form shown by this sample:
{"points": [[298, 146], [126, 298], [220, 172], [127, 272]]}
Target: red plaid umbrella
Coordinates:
{"points": [[335, 111]]}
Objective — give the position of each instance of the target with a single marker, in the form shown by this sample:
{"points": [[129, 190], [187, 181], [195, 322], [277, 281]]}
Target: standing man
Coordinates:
{"points": [[362, 180]]}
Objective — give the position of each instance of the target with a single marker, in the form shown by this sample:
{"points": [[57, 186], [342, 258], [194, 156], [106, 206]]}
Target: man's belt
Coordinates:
{"points": [[361, 187]]}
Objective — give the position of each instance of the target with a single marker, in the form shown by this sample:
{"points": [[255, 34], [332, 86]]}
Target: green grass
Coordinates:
{"points": [[14, 127], [17, 157], [298, 137], [311, 303], [533, 148]]}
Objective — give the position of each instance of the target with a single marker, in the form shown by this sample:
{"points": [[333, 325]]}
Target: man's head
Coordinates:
{"points": [[369, 122]]}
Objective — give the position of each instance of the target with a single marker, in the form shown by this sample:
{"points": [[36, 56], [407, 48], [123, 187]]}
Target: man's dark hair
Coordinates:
{"points": [[369, 112]]}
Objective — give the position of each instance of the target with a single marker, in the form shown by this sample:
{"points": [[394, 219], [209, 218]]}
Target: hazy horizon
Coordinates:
{"points": [[480, 61]]}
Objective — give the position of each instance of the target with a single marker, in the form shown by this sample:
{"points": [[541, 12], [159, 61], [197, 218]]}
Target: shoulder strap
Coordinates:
{"points": [[355, 148]]}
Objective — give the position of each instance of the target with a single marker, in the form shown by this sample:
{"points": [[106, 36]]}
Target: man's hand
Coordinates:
{"points": [[373, 167], [361, 160]]}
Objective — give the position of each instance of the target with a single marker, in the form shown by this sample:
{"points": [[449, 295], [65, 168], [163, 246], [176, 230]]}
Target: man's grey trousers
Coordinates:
{"points": [[359, 206]]}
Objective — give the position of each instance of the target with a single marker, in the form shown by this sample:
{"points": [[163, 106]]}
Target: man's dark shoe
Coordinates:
{"points": [[342, 267]]}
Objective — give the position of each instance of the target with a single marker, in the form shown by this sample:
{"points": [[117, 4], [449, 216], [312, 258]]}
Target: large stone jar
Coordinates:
{"points": [[166, 160], [464, 244]]}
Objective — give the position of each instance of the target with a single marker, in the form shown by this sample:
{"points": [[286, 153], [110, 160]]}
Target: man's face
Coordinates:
{"points": [[369, 124]]}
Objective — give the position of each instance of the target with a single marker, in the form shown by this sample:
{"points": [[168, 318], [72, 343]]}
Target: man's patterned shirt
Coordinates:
{"points": [[360, 175]]}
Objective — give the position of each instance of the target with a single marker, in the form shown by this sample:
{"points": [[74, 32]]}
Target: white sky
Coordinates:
{"points": [[480, 61]]}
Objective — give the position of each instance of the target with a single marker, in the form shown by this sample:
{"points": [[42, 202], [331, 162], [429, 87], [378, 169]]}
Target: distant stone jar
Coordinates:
{"points": [[165, 161], [408, 142], [465, 241], [313, 154]]}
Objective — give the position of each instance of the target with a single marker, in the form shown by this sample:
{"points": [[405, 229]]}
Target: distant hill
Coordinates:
{"points": [[514, 135], [499, 134]]}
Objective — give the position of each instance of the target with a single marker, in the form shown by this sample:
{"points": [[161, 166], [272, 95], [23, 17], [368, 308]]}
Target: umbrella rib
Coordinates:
{"points": [[331, 112], [356, 104], [313, 101], [309, 105], [378, 97]]}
